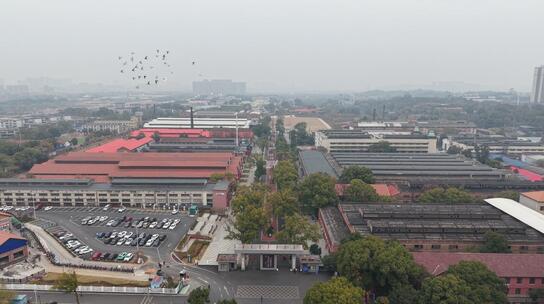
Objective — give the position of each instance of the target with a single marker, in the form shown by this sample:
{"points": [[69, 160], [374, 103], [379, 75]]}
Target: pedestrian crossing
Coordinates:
{"points": [[147, 300]]}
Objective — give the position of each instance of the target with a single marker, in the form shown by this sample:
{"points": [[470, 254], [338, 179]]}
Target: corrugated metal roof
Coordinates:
{"points": [[518, 211]]}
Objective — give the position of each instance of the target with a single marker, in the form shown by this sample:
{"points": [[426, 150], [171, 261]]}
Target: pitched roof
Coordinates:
{"points": [[381, 189], [503, 264], [535, 195], [6, 236], [121, 144], [528, 216]]}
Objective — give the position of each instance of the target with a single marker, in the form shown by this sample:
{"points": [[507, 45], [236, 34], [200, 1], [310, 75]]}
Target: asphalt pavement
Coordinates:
{"points": [[69, 218], [102, 298]]}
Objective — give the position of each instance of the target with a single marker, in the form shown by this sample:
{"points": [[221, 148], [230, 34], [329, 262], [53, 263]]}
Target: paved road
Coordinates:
{"points": [[70, 219]]}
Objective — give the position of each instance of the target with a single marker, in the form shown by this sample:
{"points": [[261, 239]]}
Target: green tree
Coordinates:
{"points": [[513, 195], [357, 172], [298, 230], [359, 191], [284, 203], [454, 150], [68, 283], [248, 196], [74, 141], [382, 147], [403, 294], [225, 301], [261, 169], [495, 242], [199, 295], [377, 265], [285, 175], [336, 290], [248, 224], [445, 289], [26, 158], [315, 250], [156, 137], [317, 190], [446, 196], [485, 285]]}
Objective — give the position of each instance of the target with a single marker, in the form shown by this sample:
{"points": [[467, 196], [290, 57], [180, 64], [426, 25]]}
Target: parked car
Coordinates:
{"points": [[172, 227], [122, 209], [47, 208], [105, 208], [156, 243], [128, 241], [141, 242], [121, 256], [134, 242], [120, 242], [108, 234], [113, 256], [110, 223], [162, 237], [153, 225], [106, 256], [128, 257], [96, 256]]}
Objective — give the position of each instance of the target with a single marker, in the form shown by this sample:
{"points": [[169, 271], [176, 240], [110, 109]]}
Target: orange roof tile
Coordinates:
{"points": [[535, 195]]}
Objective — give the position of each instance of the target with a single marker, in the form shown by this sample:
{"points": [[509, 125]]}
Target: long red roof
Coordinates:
{"points": [[505, 265], [121, 144], [101, 167]]}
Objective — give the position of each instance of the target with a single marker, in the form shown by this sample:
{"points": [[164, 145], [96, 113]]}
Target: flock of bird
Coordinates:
{"points": [[147, 70]]}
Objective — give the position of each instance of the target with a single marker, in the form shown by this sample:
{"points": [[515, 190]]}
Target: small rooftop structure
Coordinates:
{"points": [[537, 196], [269, 249]]}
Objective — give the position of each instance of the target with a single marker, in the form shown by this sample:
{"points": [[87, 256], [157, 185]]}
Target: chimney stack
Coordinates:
{"points": [[192, 119]]}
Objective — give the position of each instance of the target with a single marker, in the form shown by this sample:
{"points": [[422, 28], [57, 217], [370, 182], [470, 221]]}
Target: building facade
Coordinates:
{"points": [[13, 248], [533, 200], [161, 194], [359, 141], [198, 123], [537, 93]]}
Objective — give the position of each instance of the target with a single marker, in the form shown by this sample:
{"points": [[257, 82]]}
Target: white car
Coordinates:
{"points": [[8, 208], [149, 242], [103, 218], [129, 234], [166, 225], [85, 251], [81, 248], [113, 235], [154, 236], [122, 209], [73, 244], [153, 225], [122, 234], [67, 235], [105, 208], [176, 221], [128, 241], [175, 211], [128, 256], [47, 208], [110, 222], [121, 241], [172, 227]]}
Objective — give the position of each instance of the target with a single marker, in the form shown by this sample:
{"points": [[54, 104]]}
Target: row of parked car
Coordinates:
{"points": [[129, 238], [72, 243], [106, 256], [144, 222]]}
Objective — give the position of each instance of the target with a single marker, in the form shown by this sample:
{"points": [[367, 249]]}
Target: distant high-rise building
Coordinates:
{"points": [[537, 95], [219, 87]]}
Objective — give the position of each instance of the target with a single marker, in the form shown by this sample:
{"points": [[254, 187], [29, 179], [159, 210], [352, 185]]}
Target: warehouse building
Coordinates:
{"points": [[105, 167], [496, 145], [520, 272], [434, 227], [138, 193], [359, 141], [13, 248], [390, 167], [198, 122]]}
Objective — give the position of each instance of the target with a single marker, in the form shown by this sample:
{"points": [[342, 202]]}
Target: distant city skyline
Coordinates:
{"points": [[283, 46]]}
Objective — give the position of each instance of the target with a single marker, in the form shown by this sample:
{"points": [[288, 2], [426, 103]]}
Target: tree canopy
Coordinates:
{"points": [[285, 175], [317, 190], [359, 191], [298, 230], [357, 172], [485, 285], [446, 196], [495, 242], [445, 289], [246, 196], [248, 224], [68, 283], [199, 295], [336, 290], [378, 266], [284, 203], [513, 195]]}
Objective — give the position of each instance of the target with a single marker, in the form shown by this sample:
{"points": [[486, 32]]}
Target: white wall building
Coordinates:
{"points": [[533, 200], [537, 94], [199, 123]]}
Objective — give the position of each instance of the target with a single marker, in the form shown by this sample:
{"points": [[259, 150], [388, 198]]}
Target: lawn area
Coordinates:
{"points": [[52, 277]]}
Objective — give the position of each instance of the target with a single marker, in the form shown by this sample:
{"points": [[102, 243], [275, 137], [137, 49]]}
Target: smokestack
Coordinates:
{"points": [[192, 119]]}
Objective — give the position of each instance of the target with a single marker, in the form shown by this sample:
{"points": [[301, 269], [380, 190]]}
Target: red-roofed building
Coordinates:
{"points": [[388, 190], [533, 200], [103, 167], [207, 133], [521, 272], [122, 145], [13, 248], [529, 175]]}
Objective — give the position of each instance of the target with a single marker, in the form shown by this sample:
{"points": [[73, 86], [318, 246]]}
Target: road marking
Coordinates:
{"points": [[226, 290]]}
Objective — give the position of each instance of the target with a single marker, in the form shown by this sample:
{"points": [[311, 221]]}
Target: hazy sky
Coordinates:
{"points": [[280, 44]]}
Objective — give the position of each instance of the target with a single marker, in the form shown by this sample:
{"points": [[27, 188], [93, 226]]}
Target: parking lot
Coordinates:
{"points": [[94, 227]]}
